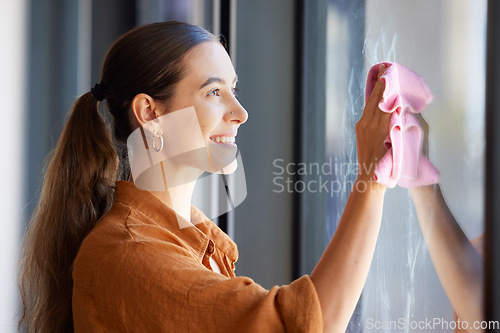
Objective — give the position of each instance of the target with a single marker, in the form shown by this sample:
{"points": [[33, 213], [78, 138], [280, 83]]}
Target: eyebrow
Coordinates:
{"points": [[213, 79]]}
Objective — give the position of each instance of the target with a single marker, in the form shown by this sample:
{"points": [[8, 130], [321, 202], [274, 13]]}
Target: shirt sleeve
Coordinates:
{"points": [[161, 287]]}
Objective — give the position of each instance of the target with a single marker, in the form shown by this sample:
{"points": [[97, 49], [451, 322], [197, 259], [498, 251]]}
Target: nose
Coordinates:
{"points": [[237, 113]]}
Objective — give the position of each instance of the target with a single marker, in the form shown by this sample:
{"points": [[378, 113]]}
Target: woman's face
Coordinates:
{"points": [[209, 86]]}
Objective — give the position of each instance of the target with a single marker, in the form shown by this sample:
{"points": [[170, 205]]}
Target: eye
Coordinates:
{"points": [[235, 91], [214, 92]]}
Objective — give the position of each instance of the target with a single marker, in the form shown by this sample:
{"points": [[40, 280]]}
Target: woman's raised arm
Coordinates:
{"points": [[341, 273]]}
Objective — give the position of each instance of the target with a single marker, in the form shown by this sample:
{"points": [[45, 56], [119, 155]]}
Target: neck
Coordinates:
{"points": [[180, 186]]}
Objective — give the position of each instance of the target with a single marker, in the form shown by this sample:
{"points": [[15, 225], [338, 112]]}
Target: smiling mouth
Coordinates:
{"points": [[223, 139]]}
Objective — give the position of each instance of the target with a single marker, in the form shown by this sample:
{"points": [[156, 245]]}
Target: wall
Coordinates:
{"points": [[13, 24]]}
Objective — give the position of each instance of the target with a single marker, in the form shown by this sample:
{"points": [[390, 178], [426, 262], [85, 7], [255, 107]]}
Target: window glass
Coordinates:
{"points": [[443, 41]]}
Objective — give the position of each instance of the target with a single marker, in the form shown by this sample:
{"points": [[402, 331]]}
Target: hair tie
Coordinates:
{"points": [[97, 92]]}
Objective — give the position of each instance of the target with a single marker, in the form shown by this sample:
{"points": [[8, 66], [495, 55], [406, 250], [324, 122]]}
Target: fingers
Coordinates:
{"points": [[379, 85], [372, 111], [381, 70]]}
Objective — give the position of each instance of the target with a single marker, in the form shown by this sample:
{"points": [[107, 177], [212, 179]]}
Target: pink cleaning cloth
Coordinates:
{"points": [[405, 94]]}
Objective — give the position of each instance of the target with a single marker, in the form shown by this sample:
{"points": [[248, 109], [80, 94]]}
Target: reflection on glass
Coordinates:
{"points": [[443, 41]]}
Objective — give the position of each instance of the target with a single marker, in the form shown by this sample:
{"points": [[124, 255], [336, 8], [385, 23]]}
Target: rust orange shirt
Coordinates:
{"points": [[137, 271]]}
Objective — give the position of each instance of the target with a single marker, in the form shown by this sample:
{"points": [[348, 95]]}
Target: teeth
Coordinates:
{"points": [[224, 139]]}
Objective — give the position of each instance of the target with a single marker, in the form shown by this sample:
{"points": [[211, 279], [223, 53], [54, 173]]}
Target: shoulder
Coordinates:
{"points": [[127, 239], [109, 234]]}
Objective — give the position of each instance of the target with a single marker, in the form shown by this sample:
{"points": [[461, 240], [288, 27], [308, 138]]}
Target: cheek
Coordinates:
{"points": [[208, 118]]}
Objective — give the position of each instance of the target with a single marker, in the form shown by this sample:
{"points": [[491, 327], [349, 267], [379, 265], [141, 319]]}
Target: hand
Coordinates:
{"points": [[371, 131]]}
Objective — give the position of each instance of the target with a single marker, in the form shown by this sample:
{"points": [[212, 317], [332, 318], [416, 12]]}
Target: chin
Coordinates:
{"points": [[223, 158]]}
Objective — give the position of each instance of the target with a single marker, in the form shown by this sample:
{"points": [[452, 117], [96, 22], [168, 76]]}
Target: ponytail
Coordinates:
{"points": [[78, 190]]}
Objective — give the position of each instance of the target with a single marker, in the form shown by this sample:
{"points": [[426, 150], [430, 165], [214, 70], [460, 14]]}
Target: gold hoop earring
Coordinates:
{"points": [[158, 135]]}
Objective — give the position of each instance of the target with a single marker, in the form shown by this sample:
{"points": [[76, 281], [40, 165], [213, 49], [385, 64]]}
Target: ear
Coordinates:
{"points": [[144, 107]]}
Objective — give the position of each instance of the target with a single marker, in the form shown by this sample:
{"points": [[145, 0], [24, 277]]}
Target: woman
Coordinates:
{"points": [[103, 255]]}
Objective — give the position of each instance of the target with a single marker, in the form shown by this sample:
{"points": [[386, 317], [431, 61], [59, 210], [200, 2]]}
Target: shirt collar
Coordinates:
{"points": [[197, 236]]}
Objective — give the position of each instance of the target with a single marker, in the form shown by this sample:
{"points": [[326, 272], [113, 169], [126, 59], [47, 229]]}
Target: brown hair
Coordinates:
{"points": [[79, 181]]}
